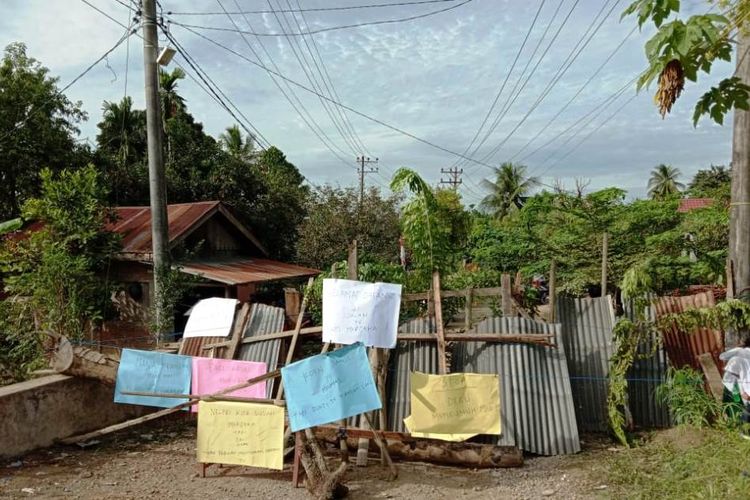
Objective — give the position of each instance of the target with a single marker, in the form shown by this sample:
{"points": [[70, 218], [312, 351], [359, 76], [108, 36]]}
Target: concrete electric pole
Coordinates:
{"points": [[362, 169], [454, 177], [157, 182]]}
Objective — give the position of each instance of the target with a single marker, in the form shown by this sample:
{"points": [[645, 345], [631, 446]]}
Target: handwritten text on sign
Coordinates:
{"points": [[354, 311], [241, 434], [212, 375], [460, 403], [149, 371], [329, 387]]}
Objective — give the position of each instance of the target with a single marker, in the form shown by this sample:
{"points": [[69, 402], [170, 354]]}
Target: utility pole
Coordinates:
{"points": [[156, 177], [454, 177], [363, 169], [739, 209]]}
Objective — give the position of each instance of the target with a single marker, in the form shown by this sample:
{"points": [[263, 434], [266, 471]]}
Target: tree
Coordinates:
{"points": [[172, 102], [663, 182], [37, 128], [333, 221], [711, 183], [232, 142], [279, 210], [54, 275], [681, 49], [508, 191]]}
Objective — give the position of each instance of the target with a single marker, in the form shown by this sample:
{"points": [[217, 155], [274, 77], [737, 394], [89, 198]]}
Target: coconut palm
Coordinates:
{"points": [[237, 146], [171, 102], [663, 182], [122, 131], [508, 191]]}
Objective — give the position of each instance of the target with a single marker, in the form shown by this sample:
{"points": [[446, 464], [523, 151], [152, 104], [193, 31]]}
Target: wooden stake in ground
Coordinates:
{"points": [[442, 359], [295, 336]]}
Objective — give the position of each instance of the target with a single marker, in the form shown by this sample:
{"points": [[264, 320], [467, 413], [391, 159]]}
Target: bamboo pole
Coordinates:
{"points": [[442, 360], [295, 336]]}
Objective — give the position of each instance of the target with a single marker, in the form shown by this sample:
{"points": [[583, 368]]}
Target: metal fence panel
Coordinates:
{"points": [[536, 401], [264, 319], [587, 337]]}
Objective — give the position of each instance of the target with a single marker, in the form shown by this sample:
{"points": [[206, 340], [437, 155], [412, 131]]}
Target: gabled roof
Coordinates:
{"points": [[688, 204], [134, 225]]}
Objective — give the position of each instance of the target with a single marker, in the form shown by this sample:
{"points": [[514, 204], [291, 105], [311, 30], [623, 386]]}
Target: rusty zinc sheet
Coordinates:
{"points": [[239, 271], [134, 223], [587, 338], [536, 400], [404, 359], [683, 348], [193, 346], [264, 320], [644, 376]]}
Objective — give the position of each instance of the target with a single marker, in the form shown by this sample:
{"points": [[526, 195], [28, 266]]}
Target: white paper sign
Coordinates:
{"points": [[354, 311], [211, 318]]}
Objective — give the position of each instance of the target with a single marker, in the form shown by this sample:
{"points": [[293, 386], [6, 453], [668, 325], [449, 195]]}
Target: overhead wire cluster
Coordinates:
{"points": [[337, 133]]}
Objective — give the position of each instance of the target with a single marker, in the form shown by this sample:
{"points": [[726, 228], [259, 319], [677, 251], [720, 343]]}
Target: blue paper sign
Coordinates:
{"points": [[149, 371], [329, 387]]}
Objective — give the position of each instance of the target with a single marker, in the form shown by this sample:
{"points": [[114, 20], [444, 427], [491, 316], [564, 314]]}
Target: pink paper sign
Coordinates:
{"points": [[212, 375]]}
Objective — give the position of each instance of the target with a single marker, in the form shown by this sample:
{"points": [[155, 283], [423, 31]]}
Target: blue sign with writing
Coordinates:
{"points": [[149, 371], [329, 387]]}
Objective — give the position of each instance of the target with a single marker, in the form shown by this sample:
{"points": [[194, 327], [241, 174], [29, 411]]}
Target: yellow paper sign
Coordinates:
{"points": [[241, 434], [456, 404], [409, 422]]}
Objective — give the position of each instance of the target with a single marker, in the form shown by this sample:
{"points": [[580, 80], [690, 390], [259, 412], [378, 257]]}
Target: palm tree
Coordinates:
{"points": [[663, 182], [508, 191], [171, 102], [122, 131], [233, 143]]}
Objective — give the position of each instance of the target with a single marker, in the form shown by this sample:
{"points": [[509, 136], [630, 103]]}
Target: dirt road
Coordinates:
{"points": [[158, 461]]}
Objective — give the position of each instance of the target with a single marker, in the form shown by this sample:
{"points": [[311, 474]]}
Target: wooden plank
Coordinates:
{"points": [[467, 308], [239, 330], [442, 360], [295, 336], [238, 399], [713, 376], [552, 297], [507, 295], [168, 411]]}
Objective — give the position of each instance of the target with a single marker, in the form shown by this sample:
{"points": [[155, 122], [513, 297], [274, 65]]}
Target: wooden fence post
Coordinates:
{"points": [[552, 297], [507, 295], [605, 251], [442, 360]]}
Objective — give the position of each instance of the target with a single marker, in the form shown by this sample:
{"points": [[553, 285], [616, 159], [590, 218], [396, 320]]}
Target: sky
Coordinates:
{"points": [[568, 110]]}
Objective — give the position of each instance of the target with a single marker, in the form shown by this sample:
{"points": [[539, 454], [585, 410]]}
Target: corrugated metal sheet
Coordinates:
{"points": [[683, 348], [134, 223], [240, 271], [536, 400], [644, 377], [404, 359], [264, 319], [193, 346], [587, 337]]}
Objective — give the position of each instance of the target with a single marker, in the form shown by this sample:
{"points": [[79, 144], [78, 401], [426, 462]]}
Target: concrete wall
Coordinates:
{"points": [[35, 413]]}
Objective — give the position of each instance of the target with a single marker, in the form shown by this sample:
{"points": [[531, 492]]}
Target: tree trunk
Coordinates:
{"points": [[80, 361]]}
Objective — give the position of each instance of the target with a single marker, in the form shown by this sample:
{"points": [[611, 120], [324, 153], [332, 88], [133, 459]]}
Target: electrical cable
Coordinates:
{"points": [[71, 83], [344, 106], [331, 28], [317, 9]]}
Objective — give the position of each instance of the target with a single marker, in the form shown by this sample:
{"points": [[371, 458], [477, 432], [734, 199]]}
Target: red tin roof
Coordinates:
{"points": [[238, 271], [688, 204]]}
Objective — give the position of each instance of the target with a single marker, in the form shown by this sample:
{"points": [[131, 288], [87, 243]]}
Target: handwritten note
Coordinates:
{"points": [[212, 375], [354, 311], [460, 403], [241, 434], [329, 387], [150, 371], [211, 318]]}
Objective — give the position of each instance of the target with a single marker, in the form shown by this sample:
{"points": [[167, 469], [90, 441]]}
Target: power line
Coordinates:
{"points": [[218, 93], [505, 81], [326, 76], [513, 96], [344, 106], [316, 9], [564, 67], [75, 80], [305, 115], [331, 28], [299, 54], [575, 96]]}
